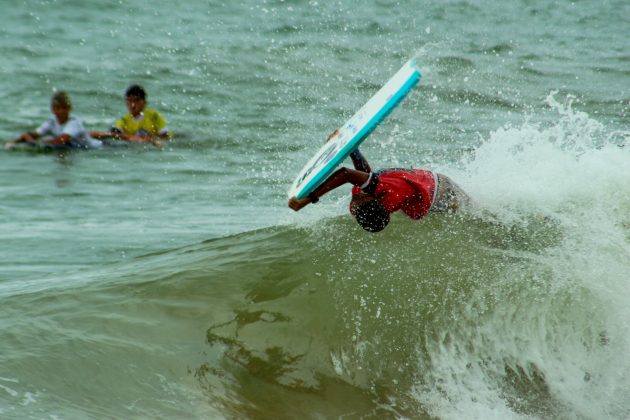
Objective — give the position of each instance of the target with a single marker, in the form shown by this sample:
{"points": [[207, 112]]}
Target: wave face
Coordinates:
{"points": [[516, 309]]}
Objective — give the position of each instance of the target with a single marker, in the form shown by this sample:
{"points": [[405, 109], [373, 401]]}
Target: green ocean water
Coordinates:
{"points": [[138, 282]]}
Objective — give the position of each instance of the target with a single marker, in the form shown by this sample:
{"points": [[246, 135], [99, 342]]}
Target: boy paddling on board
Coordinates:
{"points": [[62, 131], [141, 124], [376, 195]]}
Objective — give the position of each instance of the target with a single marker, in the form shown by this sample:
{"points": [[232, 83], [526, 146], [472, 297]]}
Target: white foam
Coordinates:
{"points": [[566, 316]]}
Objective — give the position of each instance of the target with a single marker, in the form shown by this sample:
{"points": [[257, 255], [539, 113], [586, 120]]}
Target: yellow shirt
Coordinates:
{"points": [[150, 122]]}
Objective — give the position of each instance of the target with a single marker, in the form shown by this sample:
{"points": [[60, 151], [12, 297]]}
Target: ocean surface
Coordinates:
{"points": [[175, 283]]}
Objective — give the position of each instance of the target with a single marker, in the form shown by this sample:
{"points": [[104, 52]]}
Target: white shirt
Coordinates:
{"points": [[79, 137]]}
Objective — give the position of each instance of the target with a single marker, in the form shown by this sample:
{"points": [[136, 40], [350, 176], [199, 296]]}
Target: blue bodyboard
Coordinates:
{"points": [[348, 138]]}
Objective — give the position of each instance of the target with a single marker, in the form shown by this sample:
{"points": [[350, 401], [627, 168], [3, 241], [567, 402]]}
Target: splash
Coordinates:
{"points": [[567, 160], [553, 338]]}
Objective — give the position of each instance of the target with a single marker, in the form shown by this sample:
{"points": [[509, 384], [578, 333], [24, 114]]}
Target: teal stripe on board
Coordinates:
{"points": [[335, 158]]}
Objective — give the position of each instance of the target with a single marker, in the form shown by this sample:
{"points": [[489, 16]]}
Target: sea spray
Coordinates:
{"points": [[552, 342]]}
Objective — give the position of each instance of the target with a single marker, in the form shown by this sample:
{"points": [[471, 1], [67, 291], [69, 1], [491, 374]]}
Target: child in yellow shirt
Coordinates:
{"points": [[140, 124]]}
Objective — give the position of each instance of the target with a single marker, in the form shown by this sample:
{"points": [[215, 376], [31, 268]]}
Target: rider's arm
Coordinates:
{"points": [[337, 179]]}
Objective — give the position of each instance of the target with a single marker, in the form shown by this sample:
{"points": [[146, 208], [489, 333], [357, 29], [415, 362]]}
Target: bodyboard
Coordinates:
{"points": [[348, 138]]}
